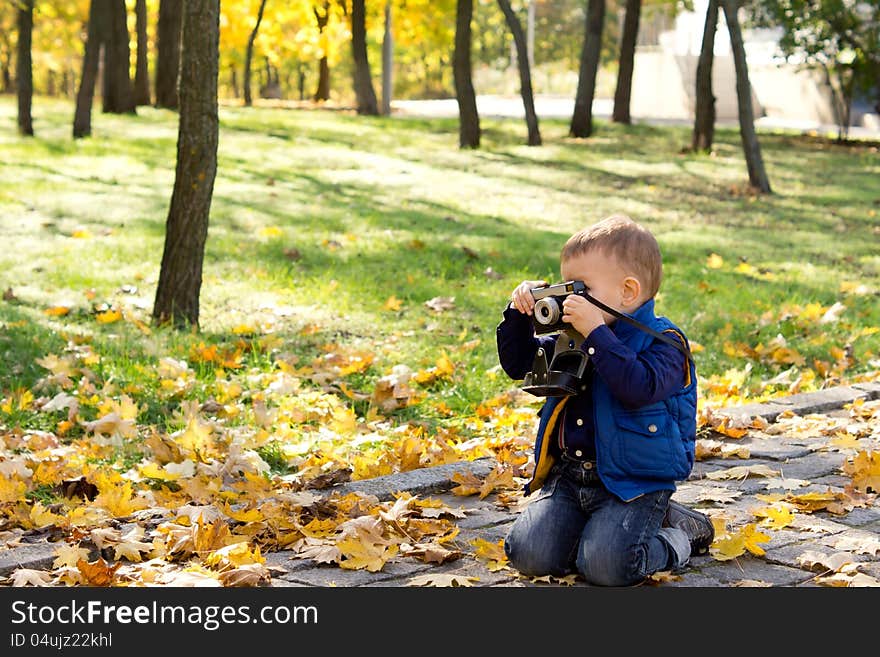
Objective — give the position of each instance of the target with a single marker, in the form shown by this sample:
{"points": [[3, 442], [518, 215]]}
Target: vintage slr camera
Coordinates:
{"points": [[547, 317], [561, 373]]}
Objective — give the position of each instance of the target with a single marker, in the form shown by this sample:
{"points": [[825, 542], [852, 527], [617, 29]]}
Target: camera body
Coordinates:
{"points": [[562, 372], [547, 316]]}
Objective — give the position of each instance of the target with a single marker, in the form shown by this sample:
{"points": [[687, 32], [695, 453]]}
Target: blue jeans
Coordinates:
{"points": [[574, 524]]}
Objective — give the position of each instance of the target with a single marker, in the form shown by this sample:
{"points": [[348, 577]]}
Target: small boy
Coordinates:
{"points": [[607, 457]]}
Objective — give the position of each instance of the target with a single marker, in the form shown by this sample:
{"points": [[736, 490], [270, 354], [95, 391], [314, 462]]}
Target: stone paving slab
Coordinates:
{"points": [[422, 481], [34, 555]]}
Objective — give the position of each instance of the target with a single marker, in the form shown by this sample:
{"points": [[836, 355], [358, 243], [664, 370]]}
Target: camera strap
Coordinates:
{"points": [[678, 344]]}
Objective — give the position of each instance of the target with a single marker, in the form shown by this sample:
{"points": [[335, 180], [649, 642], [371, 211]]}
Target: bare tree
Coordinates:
{"points": [[186, 229], [322, 90], [704, 111], [142, 94], [582, 117], [623, 91], [99, 18], [363, 81], [118, 90], [469, 119], [249, 55], [168, 32], [751, 147], [525, 73], [24, 74]]}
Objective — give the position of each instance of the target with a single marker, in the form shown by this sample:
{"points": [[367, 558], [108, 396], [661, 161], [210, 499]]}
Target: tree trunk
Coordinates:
{"points": [[168, 32], [469, 119], [582, 117], [142, 70], [704, 110], [6, 77], [751, 147], [233, 80], [118, 90], [626, 63], [525, 73], [363, 81], [186, 229], [24, 73], [97, 29], [249, 55], [387, 62], [322, 90]]}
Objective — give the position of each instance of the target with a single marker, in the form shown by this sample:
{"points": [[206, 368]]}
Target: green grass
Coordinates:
{"points": [[319, 217]]}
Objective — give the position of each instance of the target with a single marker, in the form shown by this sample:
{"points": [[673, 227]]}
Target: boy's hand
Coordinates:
{"points": [[581, 314], [522, 298]]}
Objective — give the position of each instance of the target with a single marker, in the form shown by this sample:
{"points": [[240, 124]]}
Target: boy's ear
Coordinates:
{"points": [[632, 290]]}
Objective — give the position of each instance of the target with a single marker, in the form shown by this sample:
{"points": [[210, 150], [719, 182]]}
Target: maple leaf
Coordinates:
{"points": [[439, 304], [320, 551], [499, 478], [234, 555], [861, 544], [442, 579], [97, 573], [11, 490], [826, 562], [729, 545], [429, 552], [714, 261], [402, 507], [742, 471], [433, 508], [112, 424], [359, 555], [117, 496], [663, 576], [775, 517], [814, 501], [752, 538], [492, 554], [864, 468], [43, 517], [196, 437], [392, 303], [104, 536], [751, 583], [130, 546], [191, 577], [68, 555], [253, 574], [468, 483], [392, 391], [30, 577]]}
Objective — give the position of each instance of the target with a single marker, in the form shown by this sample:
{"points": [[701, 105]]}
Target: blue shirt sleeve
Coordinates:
{"points": [[518, 344], [635, 379]]}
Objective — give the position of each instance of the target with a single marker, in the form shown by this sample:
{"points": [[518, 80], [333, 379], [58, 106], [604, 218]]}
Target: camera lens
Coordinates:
{"points": [[546, 311]]}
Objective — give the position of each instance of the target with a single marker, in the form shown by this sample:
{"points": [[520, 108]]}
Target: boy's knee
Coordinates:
{"points": [[602, 566], [527, 560]]}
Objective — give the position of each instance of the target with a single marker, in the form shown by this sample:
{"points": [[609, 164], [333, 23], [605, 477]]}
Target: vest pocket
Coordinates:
{"points": [[648, 445]]}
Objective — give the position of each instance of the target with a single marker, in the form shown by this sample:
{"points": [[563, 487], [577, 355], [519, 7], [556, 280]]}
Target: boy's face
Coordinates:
{"points": [[606, 280]]}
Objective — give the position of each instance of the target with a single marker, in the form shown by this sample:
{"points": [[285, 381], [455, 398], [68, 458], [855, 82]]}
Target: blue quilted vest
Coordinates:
{"points": [[638, 450]]}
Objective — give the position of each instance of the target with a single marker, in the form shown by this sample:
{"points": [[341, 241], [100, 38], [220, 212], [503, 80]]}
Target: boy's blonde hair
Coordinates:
{"points": [[630, 243]]}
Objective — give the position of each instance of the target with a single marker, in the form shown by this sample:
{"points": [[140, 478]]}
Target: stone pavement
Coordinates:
{"points": [[800, 457], [796, 458]]}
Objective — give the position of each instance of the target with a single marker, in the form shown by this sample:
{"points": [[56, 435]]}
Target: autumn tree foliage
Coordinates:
{"points": [[180, 277]]}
